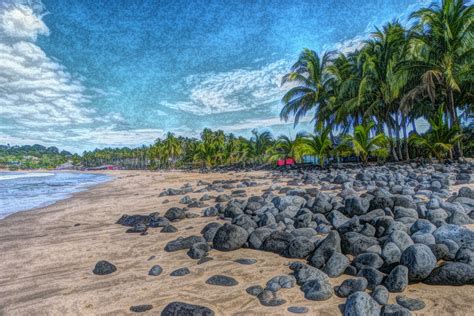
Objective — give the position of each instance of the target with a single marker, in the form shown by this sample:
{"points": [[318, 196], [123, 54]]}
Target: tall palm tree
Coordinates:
{"points": [[313, 87], [171, 148], [287, 146], [259, 144]]}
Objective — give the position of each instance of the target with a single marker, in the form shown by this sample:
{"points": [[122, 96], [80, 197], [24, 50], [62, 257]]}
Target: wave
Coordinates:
{"points": [[24, 175]]}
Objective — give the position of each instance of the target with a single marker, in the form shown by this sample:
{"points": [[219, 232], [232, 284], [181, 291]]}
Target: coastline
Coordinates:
{"points": [[47, 260]]}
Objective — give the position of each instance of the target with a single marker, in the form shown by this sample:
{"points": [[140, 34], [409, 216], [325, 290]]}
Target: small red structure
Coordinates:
{"points": [[112, 167], [286, 162]]}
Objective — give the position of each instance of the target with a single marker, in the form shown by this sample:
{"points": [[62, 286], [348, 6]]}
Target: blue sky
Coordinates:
{"points": [[83, 74]]}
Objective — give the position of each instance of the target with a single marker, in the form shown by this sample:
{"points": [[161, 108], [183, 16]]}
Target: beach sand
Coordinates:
{"points": [[46, 260]]}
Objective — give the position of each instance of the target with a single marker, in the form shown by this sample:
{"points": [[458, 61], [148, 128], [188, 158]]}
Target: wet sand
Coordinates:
{"points": [[47, 260]]}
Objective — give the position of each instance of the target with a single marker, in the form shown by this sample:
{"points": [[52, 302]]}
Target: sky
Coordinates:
{"points": [[86, 73]]}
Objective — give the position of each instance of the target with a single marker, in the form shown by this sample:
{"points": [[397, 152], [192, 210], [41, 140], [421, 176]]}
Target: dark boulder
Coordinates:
{"points": [[380, 294], [325, 249], [277, 242], [183, 243], [452, 273], [317, 290], [175, 213], [258, 236], [222, 280], [180, 272], [354, 243], [413, 304], [336, 265], [350, 286], [155, 270], [229, 237], [361, 304], [420, 261], [397, 280], [300, 247]]}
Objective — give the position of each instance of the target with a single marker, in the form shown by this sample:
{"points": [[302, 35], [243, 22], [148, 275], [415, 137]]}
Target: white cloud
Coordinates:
{"points": [[236, 90], [36, 91], [350, 45], [20, 22]]}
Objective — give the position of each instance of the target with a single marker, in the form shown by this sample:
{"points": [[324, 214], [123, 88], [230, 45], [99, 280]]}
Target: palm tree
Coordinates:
{"points": [[440, 139], [171, 148], [362, 145], [259, 144], [319, 145], [287, 147], [442, 54], [310, 74]]}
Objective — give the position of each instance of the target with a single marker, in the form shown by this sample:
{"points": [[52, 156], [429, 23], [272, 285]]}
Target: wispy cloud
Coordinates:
{"points": [[231, 91]]}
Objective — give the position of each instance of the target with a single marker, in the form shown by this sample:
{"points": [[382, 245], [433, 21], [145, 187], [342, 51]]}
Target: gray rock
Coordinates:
{"points": [[397, 280], [288, 203], [304, 273], [441, 251], [210, 212], [254, 290], [175, 213], [229, 237], [204, 260], [104, 267], [355, 205], [413, 304], [350, 286], [354, 243], [221, 280], [401, 239], [298, 309], [209, 231], [452, 273], [380, 294], [155, 270], [169, 229], [336, 265], [257, 237], [465, 254], [280, 281], [180, 272], [423, 238], [198, 250], [368, 259], [361, 304], [391, 253], [269, 298], [183, 243], [141, 308], [277, 242], [374, 277], [420, 261], [395, 310], [179, 308], [300, 247], [325, 249], [245, 261], [317, 290]]}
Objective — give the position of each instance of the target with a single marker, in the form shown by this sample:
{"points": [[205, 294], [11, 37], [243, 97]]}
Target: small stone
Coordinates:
{"points": [[104, 267], [380, 294], [317, 290], [180, 272], [254, 290], [298, 309], [269, 298], [141, 308], [350, 286], [169, 229], [222, 280], [204, 260], [155, 270], [245, 261], [413, 304]]}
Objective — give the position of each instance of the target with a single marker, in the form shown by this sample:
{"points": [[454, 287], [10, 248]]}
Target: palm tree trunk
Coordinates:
{"points": [[454, 121], [413, 125], [405, 135], [397, 134], [392, 149]]}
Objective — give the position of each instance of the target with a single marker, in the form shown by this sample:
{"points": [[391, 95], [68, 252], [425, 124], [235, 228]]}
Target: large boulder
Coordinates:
{"points": [[355, 205], [420, 261], [300, 247], [209, 231], [325, 249], [175, 213], [452, 273], [229, 237], [104, 267], [303, 273], [336, 265], [289, 203], [361, 304], [461, 235]]}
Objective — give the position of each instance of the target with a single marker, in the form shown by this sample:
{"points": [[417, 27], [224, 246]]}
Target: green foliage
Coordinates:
{"points": [[363, 146]]}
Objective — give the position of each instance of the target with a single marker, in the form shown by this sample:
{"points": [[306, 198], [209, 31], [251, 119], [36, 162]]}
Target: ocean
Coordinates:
{"points": [[21, 191]]}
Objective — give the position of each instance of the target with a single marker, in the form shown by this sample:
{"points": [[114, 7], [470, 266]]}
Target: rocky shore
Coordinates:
{"points": [[381, 240]]}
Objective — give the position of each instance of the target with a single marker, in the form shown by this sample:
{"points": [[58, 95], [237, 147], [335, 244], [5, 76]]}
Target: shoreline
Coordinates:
{"points": [[48, 258]]}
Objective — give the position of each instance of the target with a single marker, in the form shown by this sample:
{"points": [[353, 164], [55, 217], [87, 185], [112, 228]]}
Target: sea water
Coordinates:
{"points": [[21, 191]]}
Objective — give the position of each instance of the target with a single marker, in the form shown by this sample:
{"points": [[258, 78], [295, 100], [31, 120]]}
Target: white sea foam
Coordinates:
{"points": [[10, 176]]}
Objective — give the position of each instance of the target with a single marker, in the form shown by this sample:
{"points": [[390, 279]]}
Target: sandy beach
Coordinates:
{"points": [[47, 257]]}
